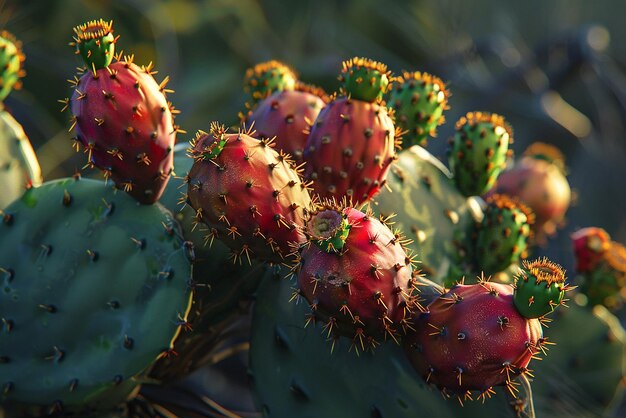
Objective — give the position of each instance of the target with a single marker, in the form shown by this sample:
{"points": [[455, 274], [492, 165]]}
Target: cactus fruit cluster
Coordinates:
{"points": [[120, 115], [342, 292]]}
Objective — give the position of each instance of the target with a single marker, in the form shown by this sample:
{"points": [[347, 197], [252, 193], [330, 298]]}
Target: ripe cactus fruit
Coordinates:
{"points": [[352, 142], [356, 275], [589, 246], [19, 167], [251, 197], [94, 290], [268, 77], [538, 180], [419, 100], [539, 288], [287, 116], [478, 151], [502, 234], [473, 338], [365, 80], [121, 116], [11, 61]]}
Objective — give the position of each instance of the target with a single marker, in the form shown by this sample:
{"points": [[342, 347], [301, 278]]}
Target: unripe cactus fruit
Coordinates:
{"points": [[502, 234], [479, 151], [286, 116], [11, 61], [356, 276], [121, 117], [473, 338], [539, 288], [250, 196], [268, 77], [604, 284], [419, 100], [352, 142], [365, 79]]}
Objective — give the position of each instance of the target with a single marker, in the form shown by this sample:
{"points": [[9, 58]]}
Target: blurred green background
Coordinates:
{"points": [[554, 69]]}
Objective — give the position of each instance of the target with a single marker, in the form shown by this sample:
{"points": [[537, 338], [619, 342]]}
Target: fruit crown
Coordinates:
{"points": [[474, 118], [426, 78], [502, 201], [616, 256], [543, 270], [365, 79], [95, 42], [198, 150], [312, 89], [268, 77], [547, 152]]}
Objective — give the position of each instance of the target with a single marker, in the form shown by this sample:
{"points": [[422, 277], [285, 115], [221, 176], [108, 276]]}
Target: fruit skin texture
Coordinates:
{"points": [[478, 151], [125, 125], [502, 234], [95, 289], [250, 196], [473, 338], [419, 100], [350, 149], [287, 115], [363, 290], [542, 186], [19, 167]]}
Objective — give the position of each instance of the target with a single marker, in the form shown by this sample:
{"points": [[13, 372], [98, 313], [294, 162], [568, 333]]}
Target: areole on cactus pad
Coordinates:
{"points": [[121, 116]]}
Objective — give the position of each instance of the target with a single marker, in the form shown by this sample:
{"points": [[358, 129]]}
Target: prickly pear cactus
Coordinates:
{"points": [[582, 376], [266, 78], [19, 167], [296, 375], [419, 100], [479, 151], [11, 60], [94, 289], [430, 211]]}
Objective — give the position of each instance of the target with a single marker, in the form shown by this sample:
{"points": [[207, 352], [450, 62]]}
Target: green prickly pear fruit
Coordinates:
{"points": [[95, 288], [479, 151], [365, 79], [539, 288], [19, 168], [95, 43], [11, 60], [604, 284], [419, 100], [502, 236], [266, 78]]}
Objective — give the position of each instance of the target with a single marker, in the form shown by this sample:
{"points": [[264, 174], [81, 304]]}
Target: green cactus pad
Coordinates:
{"points": [[503, 234], [295, 374], [479, 151], [364, 79], [583, 374], [11, 60], [93, 289], [539, 288], [430, 211], [19, 167], [419, 100], [95, 43], [268, 77]]}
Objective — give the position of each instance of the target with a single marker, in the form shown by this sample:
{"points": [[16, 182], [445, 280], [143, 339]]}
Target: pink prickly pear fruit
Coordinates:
{"points": [[472, 338], [356, 275], [251, 197], [353, 141], [538, 180], [287, 116], [121, 116], [590, 244]]}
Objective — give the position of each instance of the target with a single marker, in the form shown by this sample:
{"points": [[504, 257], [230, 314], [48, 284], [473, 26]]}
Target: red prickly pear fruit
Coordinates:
{"points": [[250, 196], [473, 338], [538, 180], [287, 116], [353, 142], [121, 117], [356, 275], [590, 244]]}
